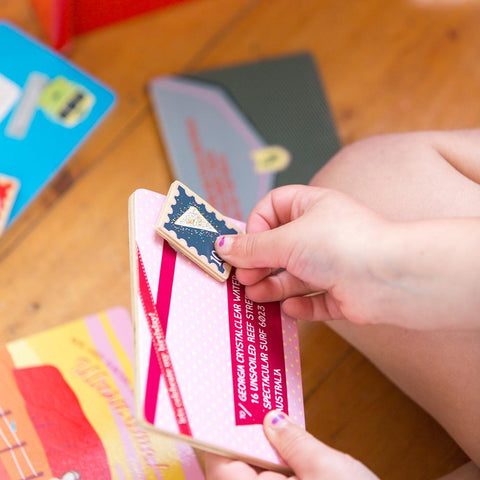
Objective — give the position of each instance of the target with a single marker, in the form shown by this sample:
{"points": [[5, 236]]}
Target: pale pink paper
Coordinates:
{"points": [[199, 345]]}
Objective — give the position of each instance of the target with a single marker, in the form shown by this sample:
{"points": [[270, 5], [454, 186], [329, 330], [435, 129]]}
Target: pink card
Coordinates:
{"points": [[210, 363]]}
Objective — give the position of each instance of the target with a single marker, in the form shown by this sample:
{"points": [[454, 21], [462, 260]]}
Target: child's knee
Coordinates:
{"points": [[402, 176], [369, 158]]}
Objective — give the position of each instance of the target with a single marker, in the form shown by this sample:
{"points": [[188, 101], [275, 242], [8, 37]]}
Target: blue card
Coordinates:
{"points": [[48, 107]]}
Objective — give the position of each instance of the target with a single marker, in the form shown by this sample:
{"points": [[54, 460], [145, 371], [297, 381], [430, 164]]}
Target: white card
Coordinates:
{"points": [[9, 94]]}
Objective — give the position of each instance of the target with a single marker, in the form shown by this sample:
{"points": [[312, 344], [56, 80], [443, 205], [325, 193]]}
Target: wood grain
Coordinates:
{"points": [[386, 66]]}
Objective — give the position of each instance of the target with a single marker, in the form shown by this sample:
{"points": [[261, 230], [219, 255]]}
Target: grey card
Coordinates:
{"points": [[234, 133]]}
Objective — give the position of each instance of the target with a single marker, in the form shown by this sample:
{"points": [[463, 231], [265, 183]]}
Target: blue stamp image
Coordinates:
{"points": [[197, 226]]}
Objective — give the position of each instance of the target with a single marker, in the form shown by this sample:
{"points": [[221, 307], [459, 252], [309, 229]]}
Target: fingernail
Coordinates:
{"points": [[224, 243], [276, 419]]}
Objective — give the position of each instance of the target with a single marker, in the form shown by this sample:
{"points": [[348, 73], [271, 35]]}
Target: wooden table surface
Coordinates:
{"points": [[387, 66]]}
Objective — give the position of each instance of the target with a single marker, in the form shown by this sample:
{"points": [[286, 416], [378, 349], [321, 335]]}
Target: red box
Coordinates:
{"points": [[63, 19]]}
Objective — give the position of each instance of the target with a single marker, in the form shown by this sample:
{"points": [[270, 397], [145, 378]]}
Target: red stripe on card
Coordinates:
{"points": [[164, 294], [151, 391], [161, 349], [165, 282], [258, 359]]}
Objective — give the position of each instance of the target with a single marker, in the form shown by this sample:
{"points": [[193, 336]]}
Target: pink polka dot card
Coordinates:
{"points": [[210, 363]]}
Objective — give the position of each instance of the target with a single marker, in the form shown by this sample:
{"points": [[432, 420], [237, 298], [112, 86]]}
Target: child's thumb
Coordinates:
{"points": [[300, 450], [307, 456], [253, 250]]}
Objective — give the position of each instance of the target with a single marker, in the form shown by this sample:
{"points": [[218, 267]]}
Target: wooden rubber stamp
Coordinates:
{"points": [[191, 226]]}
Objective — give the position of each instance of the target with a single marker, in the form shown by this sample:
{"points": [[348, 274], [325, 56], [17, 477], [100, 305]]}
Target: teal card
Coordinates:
{"points": [[48, 107]]}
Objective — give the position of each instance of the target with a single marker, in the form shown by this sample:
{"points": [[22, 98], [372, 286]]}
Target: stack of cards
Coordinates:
{"points": [[210, 363]]}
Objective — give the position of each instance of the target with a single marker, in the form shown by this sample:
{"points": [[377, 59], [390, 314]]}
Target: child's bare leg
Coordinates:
{"points": [[409, 177], [468, 471]]}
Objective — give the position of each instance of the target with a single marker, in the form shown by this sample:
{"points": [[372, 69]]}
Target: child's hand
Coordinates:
{"points": [[322, 239], [341, 260], [304, 454]]}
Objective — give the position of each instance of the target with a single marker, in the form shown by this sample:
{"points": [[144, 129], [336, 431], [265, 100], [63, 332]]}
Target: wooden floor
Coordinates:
{"points": [[387, 66]]}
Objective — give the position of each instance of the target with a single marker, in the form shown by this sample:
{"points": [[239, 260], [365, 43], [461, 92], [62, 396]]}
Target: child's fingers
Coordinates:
{"points": [[321, 307], [221, 468], [269, 249], [272, 233], [250, 276], [277, 288], [308, 457], [300, 450], [280, 206]]}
